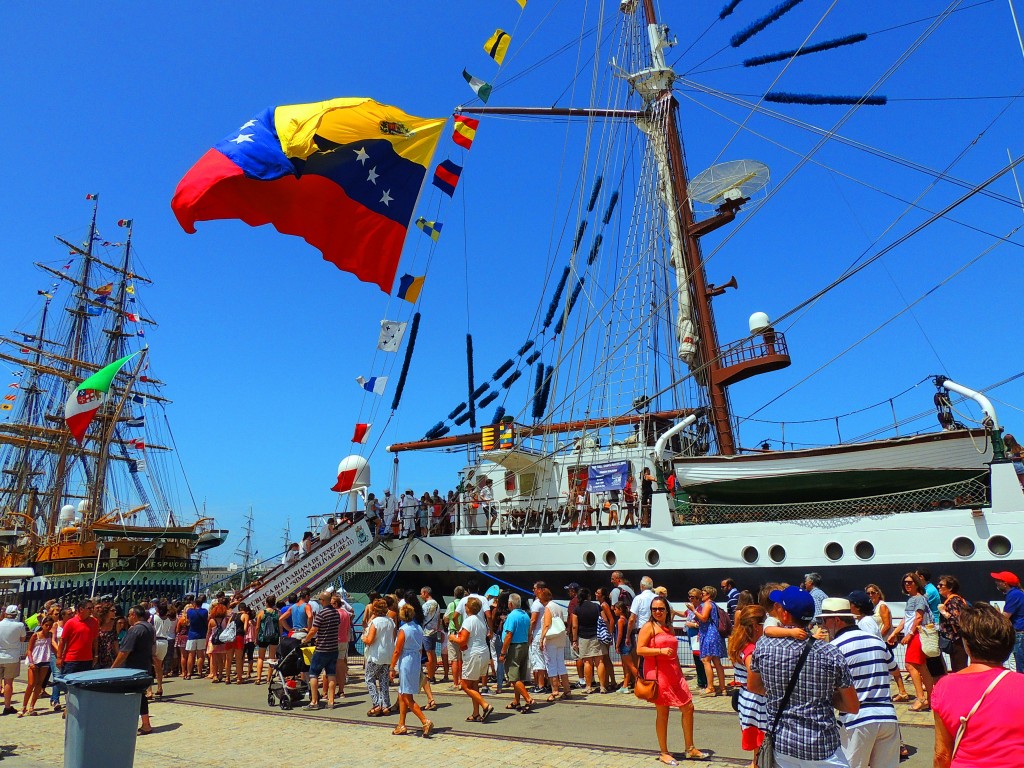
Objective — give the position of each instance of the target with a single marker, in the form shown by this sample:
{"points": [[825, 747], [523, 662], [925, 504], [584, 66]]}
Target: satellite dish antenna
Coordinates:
{"points": [[729, 183]]}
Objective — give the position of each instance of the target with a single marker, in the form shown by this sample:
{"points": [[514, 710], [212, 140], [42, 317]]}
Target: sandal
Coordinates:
{"points": [[474, 719], [401, 730], [904, 752], [488, 711], [428, 728], [511, 705], [670, 761], [553, 697], [901, 697], [527, 708], [386, 712], [695, 754], [921, 708], [159, 693], [32, 713], [431, 706], [374, 712], [708, 693], [143, 732]]}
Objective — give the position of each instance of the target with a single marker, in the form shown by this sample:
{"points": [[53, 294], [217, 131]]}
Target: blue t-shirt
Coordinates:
{"points": [[931, 592], [1015, 608], [518, 623], [198, 620]]}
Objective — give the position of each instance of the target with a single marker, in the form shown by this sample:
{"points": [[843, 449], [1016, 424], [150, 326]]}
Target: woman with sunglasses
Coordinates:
{"points": [[949, 622], [752, 707], [916, 614], [658, 645]]}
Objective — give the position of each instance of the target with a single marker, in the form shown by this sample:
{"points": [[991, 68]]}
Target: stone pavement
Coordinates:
{"points": [[201, 724]]}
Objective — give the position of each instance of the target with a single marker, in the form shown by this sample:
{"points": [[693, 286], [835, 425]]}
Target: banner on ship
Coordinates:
{"points": [[607, 477], [318, 567]]}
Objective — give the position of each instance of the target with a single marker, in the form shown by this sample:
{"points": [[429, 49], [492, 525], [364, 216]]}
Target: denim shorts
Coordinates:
{"points": [[323, 662]]}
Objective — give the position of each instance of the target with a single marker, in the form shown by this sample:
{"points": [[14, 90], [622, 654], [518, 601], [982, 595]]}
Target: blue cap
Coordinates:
{"points": [[862, 600], [796, 601], [492, 591]]}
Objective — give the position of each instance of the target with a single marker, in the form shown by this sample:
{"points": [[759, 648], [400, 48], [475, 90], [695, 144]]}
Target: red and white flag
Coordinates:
{"points": [[362, 433], [132, 317], [345, 480], [80, 408]]}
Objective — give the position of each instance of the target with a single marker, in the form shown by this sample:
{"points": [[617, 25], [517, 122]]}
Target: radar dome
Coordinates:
{"points": [[67, 512], [361, 468], [83, 506], [759, 322]]}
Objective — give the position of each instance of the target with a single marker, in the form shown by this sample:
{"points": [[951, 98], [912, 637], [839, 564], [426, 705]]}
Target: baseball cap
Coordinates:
{"points": [[492, 591], [835, 606], [862, 600], [572, 585], [1007, 576], [796, 601], [12, 610]]}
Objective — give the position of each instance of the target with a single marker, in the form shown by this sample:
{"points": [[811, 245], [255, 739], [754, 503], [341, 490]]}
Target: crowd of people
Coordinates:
{"points": [[797, 654]]}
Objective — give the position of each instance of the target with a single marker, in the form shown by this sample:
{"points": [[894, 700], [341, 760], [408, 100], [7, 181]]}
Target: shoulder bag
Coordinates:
{"points": [[557, 628], [929, 640], [962, 730], [766, 757], [644, 689]]}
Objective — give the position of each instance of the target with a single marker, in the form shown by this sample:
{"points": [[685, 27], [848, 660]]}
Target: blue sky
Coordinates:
{"points": [[260, 341]]}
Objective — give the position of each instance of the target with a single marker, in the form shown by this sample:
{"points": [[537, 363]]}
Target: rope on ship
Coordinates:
{"points": [[488, 574]]}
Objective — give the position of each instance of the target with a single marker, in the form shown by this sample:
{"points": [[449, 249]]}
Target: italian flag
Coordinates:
{"points": [[87, 397]]}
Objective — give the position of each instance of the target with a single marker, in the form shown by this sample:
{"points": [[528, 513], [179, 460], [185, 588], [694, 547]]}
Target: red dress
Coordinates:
{"points": [[672, 688]]}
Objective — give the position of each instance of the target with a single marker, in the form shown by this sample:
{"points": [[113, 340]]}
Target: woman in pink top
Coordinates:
{"points": [[993, 735]]}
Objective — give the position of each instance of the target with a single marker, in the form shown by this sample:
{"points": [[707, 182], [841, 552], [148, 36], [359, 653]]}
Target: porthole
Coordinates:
{"points": [[380, 560], [428, 559], [499, 558], [963, 547], [750, 554], [416, 560], [865, 550], [834, 551], [999, 546], [609, 558], [370, 562], [484, 559], [653, 558], [589, 558], [777, 553]]}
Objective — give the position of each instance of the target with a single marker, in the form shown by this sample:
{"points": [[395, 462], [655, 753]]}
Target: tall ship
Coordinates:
{"points": [[604, 437], [104, 515]]}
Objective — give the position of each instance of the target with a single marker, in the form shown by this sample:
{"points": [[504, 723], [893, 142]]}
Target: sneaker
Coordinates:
{"points": [[580, 684], [625, 689], [10, 711], [485, 691]]}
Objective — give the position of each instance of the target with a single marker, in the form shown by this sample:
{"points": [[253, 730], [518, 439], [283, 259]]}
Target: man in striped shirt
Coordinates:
{"points": [[870, 737]]}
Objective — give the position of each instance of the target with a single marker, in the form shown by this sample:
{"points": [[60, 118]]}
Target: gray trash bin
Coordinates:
{"points": [[103, 717]]}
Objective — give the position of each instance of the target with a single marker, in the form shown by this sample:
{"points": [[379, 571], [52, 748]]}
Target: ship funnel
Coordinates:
{"points": [[759, 322]]}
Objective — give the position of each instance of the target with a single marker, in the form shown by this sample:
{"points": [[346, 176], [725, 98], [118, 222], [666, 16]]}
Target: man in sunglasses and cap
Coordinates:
{"points": [[870, 737], [806, 734]]}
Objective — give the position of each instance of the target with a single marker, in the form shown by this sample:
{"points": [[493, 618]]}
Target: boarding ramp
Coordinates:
{"points": [[320, 567]]}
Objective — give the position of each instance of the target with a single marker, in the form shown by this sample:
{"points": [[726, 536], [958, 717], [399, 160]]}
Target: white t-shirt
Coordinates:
{"points": [[537, 609], [431, 615], [11, 645], [641, 607], [383, 645], [869, 625], [461, 607]]}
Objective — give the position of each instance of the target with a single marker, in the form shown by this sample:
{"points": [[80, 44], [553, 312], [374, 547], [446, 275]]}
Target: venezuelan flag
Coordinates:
{"points": [[342, 174]]}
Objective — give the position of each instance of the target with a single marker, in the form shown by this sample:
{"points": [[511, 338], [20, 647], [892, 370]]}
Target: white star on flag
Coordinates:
{"points": [[242, 138], [249, 124], [387, 198], [373, 175], [361, 155]]}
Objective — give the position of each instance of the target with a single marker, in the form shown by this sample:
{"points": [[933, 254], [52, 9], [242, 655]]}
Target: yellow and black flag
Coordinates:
{"points": [[497, 45]]}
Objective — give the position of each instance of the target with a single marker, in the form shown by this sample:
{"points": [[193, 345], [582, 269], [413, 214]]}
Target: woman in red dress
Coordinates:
{"points": [[658, 646]]}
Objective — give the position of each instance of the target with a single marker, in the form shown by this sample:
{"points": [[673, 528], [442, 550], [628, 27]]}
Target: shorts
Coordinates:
{"points": [[196, 645], [160, 649], [342, 651], [249, 649], [554, 660], [454, 651], [267, 643], [516, 662], [323, 662], [591, 647], [11, 670]]}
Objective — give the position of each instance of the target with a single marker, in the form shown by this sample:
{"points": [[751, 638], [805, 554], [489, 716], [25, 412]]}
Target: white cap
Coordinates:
{"points": [[12, 610]]}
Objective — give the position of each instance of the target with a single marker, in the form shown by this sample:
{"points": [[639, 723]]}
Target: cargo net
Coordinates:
{"points": [[828, 514]]}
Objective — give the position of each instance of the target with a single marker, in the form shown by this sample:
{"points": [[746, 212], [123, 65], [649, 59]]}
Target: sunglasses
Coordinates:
{"points": [[658, 609]]}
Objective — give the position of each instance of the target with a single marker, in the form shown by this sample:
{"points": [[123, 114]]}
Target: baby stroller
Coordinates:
{"points": [[287, 688]]}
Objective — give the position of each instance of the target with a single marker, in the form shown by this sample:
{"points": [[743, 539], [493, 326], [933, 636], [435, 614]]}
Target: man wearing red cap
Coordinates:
{"points": [[1009, 585]]}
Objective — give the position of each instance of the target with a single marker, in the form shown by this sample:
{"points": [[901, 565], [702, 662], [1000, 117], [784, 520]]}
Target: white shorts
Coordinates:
{"points": [[195, 645], [838, 760], [160, 649], [554, 659], [871, 744]]}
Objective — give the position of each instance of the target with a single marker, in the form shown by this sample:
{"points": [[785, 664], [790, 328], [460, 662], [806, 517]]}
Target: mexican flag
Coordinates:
{"points": [[87, 397]]}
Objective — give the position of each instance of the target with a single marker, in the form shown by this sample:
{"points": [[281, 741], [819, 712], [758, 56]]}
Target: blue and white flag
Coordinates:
{"points": [[140, 399], [375, 384], [141, 422]]}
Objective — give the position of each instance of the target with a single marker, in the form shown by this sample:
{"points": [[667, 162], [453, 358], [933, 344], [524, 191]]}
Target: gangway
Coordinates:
{"points": [[320, 567]]}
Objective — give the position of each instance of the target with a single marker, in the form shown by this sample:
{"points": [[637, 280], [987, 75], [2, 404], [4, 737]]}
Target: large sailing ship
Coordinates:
{"points": [[626, 379], [103, 516]]}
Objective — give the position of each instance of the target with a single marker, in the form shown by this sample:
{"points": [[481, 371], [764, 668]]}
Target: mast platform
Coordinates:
{"points": [[751, 357]]}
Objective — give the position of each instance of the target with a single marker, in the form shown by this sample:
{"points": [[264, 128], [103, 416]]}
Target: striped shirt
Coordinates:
{"points": [[327, 622], [870, 662]]}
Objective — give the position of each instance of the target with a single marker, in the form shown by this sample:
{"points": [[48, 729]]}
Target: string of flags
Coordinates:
{"points": [[446, 178]]}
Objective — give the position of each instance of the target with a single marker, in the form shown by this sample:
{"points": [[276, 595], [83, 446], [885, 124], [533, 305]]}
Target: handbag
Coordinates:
{"points": [[644, 689], [603, 635], [962, 730], [766, 757], [929, 640], [557, 628]]}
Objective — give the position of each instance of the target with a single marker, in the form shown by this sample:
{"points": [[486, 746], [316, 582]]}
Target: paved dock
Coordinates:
{"points": [[199, 724]]}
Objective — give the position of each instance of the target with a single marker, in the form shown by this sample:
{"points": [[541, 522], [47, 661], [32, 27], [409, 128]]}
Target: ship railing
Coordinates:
{"points": [[756, 348], [964, 494], [535, 514]]}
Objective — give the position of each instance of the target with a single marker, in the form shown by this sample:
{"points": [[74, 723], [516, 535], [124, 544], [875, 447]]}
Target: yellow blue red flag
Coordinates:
{"points": [[409, 287]]}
